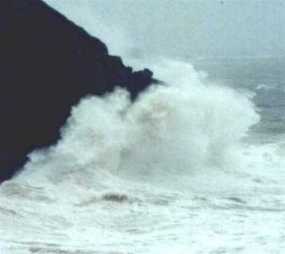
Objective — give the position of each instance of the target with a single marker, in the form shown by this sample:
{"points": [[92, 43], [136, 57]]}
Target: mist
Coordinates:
{"points": [[224, 28]]}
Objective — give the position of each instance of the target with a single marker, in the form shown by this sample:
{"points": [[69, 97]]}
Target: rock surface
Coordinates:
{"points": [[47, 64]]}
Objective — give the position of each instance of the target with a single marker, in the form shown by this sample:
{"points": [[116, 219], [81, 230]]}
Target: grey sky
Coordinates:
{"points": [[184, 27]]}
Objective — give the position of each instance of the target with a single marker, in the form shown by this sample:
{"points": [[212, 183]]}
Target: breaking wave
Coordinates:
{"points": [[186, 126], [175, 169]]}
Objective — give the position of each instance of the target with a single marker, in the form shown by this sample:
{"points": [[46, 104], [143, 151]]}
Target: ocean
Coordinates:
{"points": [[264, 76], [193, 166]]}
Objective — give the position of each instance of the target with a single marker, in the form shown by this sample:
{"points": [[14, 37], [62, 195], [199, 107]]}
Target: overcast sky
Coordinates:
{"points": [[183, 27]]}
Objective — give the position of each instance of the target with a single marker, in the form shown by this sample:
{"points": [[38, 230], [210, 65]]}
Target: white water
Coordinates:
{"points": [[171, 173], [168, 174]]}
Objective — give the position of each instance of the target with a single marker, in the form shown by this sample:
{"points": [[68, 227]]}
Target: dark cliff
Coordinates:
{"points": [[47, 64]]}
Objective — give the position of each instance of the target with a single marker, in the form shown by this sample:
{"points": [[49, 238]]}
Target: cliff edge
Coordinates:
{"points": [[47, 63]]}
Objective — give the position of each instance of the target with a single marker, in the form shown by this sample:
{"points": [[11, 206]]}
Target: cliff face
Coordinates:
{"points": [[47, 64]]}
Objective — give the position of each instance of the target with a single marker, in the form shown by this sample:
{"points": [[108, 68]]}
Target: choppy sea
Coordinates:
{"points": [[193, 166]]}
